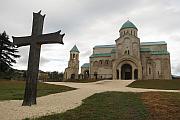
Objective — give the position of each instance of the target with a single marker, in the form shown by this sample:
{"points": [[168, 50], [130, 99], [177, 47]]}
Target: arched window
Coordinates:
{"points": [[128, 52], [100, 62], [107, 62], [73, 56], [131, 32]]}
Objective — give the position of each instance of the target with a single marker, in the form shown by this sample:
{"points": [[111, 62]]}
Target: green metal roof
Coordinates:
{"points": [[128, 24], [74, 49], [145, 50], [154, 43], [159, 52], [142, 43], [86, 65], [101, 55], [105, 46]]}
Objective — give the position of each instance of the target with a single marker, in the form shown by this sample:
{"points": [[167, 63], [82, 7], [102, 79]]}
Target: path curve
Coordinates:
{"points": [[61, 102]]}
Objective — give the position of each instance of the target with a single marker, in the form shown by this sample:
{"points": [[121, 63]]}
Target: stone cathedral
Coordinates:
{"points": [[129, 58]]}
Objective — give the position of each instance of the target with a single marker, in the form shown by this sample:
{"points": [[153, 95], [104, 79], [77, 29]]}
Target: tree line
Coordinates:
{"points": [[8, 55]]}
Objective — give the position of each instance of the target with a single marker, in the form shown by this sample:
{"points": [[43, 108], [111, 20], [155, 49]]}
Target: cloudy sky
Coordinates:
{"points": [[87, 23]]}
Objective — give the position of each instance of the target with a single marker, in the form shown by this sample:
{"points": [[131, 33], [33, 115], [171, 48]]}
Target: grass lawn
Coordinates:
{"points": [[14, 90], [124, 106], [105, 106], [156, 84]]}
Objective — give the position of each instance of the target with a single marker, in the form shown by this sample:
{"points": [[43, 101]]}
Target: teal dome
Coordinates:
{"points": [[128, 24]]}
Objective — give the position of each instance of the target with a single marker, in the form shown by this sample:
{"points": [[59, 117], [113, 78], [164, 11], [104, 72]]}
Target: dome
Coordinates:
{"points": [[128, 24]]}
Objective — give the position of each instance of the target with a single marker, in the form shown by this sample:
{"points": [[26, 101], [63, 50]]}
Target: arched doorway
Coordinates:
{"points": [[86, 74], [126, 72], [135, 74], [72, 76]]}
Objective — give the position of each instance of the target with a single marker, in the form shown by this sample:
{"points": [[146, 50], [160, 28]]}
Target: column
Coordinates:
{"points": [[132, 73]]}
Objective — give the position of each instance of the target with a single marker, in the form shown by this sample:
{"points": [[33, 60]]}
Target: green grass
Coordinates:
{"points": [[156, 84], [105, 106], [14, 90], [124, 106]]}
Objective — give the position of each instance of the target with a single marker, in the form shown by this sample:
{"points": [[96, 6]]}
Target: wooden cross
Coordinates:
{"points": [[35, 41]]}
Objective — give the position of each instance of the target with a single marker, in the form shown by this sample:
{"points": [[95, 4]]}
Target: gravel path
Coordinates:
{"points": [[60, 102]]}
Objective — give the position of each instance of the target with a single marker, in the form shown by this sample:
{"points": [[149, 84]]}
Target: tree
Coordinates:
{"points": [[7, 53]]}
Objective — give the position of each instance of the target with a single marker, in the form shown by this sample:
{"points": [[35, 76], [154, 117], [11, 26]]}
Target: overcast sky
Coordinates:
{"points": [[87, 23]]}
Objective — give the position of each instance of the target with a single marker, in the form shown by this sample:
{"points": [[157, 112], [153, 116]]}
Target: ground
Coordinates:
{"points": [[61, 102]]}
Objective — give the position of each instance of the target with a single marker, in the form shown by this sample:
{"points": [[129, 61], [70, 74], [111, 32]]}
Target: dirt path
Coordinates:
{"points": [[60, 102]]}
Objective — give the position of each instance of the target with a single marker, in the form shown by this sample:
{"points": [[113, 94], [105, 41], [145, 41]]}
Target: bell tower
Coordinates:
{"points": [[74, 58], [71, 72]]}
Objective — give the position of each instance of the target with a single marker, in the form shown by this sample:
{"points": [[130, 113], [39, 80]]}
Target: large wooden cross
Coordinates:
{"points": [[35, 41]]}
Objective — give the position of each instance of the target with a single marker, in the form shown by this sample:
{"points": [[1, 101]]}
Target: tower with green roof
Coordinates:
{"points": [[71, 72], [128, 28]]}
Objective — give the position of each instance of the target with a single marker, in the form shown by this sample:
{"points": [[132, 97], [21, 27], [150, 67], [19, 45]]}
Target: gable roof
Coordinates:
{"points": [[74, 49], [154, 43]]}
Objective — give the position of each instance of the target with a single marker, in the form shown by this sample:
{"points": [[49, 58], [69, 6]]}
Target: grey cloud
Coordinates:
{"points": [[85, 53], [88, 23]]}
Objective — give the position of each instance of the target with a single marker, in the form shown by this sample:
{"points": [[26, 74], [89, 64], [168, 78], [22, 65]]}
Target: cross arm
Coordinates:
{"points": [[55, 37], [21, 41]]}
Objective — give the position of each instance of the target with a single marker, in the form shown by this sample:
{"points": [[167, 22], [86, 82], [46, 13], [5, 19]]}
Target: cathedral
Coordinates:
{"points": [[127, 59]]}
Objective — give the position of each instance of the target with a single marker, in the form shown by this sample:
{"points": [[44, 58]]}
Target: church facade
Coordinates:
{"points": [[129, 58]]}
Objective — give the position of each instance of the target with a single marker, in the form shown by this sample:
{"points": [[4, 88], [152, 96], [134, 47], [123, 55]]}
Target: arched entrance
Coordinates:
{"points": [[126, 72], [72, 76], [86, 74]]}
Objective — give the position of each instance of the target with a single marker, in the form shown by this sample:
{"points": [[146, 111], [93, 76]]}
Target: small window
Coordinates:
{"points": [[128, 52], [149, 70], [125, 52], [131, 32]]}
